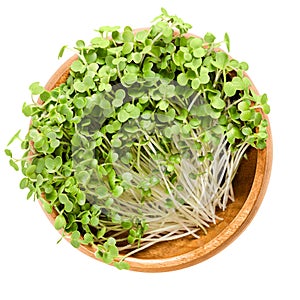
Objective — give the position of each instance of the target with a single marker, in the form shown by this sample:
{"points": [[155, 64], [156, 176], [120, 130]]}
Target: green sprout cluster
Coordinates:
{"points": [[142, 141]]}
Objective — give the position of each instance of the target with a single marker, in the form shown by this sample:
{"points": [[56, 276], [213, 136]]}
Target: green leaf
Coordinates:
{"points": [[35, 88], [141, 36], [261, 144], [110, 241], [116, 218], [39, 180], [80, 102], [27, 110], [47, 207], [163, 104], [115, 51], [94, 221], [102, 190], [244, 105], [227, 41], [238, 83], [108, 29], [117, 61], [167, 33], [221, 60], [50, 163], [107, 258], [112, 175], [233, 113], [196, 83], [187, 56], [147, 49], [247, 115], [81, 197], [77, 66], [129, 78], [45, 95], [257, 118], [8, 152], [229, 89], [203, 76], [117, 102], [116, 143], [263, 99], [24, 183], [137, 57], [123, 116], [16, 136], [88, 238], [76, 140], [101, 232], [266, 108], [233, 134], [196, 43], [126, 224], [13, 164], [164, 12], [246, 131], [85, 219], [128, 36], [52, 196], [57, 162], [113, 127], [134, 113], [30, 170], [127, 176], [63, 198], [218, 103], [209, 37], [105, 104], [75, 243], [244, 66], [131, 239], [122, 265], [117, 191], [114, 157], [195, 123], [31, 192], [80, 44], [60, 222], [79, 86], [68, 206], [75, 235], [83, 177], [62, 50], [182, 79], [100, 42], [127, 48], [88, 82], [119, 96], [199, 52]]}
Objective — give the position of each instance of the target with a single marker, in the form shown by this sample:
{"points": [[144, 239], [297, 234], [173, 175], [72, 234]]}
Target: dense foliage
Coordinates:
{"points": [[142, 141]]}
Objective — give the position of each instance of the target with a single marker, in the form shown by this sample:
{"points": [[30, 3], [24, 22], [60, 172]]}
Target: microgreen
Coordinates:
{"points": [[142, 141]]}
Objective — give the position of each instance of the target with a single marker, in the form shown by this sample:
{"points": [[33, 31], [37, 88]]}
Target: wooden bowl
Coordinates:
{"points": [[250, 185]]}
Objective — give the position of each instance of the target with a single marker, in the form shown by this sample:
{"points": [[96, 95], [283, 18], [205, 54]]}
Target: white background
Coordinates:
{"points": [[263, 263]]}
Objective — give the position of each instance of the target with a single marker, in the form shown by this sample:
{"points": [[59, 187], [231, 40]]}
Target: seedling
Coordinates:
{"points": [[142, 142]]}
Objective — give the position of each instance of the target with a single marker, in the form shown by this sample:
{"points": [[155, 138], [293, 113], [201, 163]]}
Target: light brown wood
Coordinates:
{"points": [[250, 185]]}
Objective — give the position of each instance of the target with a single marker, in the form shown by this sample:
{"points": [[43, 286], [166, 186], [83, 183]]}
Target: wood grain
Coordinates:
{"points": [[250, 185]]}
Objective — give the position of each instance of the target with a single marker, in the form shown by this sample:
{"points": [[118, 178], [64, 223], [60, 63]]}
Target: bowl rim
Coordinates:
{"points": [[226, 236]]}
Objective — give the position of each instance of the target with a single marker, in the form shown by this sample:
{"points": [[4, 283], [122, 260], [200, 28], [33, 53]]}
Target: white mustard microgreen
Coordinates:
{"points": [[142, 141]]}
